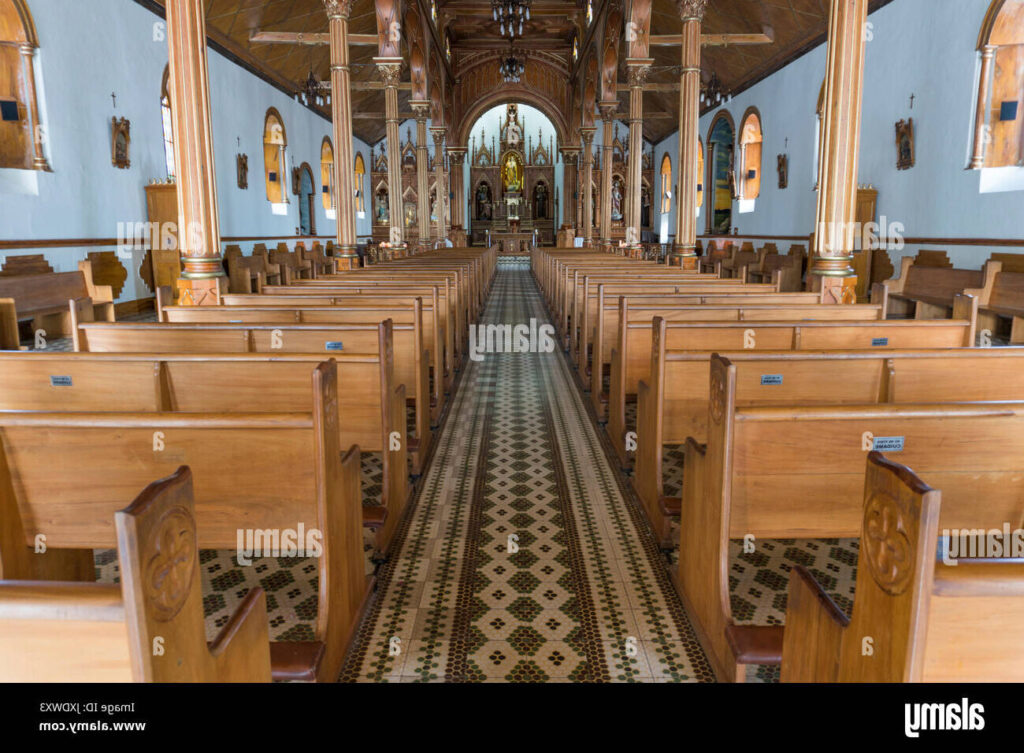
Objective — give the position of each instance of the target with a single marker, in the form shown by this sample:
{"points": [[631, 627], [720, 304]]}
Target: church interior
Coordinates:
{"points": [[467, 341]]}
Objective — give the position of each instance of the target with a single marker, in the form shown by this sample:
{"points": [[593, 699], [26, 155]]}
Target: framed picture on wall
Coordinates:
{"points": [[120, 143], [905, 144]]}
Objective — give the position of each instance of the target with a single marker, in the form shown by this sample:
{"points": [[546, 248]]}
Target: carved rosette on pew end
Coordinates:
{"points": [[834, 278]]}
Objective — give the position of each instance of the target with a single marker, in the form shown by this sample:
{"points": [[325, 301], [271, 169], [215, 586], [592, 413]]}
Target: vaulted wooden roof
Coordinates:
{"points": [[795, 26]]}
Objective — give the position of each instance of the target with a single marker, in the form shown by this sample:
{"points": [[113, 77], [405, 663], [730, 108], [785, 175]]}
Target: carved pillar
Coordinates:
{"points": [[341, 115], [607, 134], [834, 234], [421, 109], [442, 189], [638, 70], [570, 158], [203, 280], [456, 158], [28, 53], [684, 254], [587, 134], [984, 87], [390, 71]]}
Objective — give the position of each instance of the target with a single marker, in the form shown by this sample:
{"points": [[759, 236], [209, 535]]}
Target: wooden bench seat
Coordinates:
{"points": [[245, 273], [1001, 294], [925, 292], [43, 298], [184, 383], [929, 621], [74, 631], [672, 404], [66, 474], [797, 472], [788, 267], [821, 326], [398, 341]]}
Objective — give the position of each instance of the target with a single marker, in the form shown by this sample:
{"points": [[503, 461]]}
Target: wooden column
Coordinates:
{"points": [[984, 87], [835, 227], [570, 191], [390, 71], [684, 254], [607, 135], [341, 116], [638, 70], [456, 158], [587, 136], [421, 109], [203, 280], [442, 189], [28, 54]]}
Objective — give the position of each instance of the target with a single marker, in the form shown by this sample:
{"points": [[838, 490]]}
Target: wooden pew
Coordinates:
{"points": [[929, 621], [672, 403], [789, 268], [198, 383], [292, 266], [797, 472], [66, 474], [74, 631], [44, 299], [925, 292], [245, 273], [827, 327], [272, 274], [412, 312], [322, 339], [1002, 295]]}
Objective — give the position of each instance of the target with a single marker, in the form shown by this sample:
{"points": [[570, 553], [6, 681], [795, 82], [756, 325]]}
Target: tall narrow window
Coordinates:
{"points": [[168, 125], [666, 185], [700, 173], [327, 174], [275, 141], [999, 114], [750, 155], [360, 174], [21, 134]]}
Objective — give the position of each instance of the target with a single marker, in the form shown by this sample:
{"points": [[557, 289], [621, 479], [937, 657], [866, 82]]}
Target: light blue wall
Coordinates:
{"points": [[89, 50], [922, 47]]}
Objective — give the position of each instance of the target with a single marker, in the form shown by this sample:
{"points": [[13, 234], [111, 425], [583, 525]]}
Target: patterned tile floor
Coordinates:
{"points": [[522, 560]]}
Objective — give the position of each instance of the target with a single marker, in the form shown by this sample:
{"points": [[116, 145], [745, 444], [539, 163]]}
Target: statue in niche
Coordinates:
{"points": [[410, 214], [645, 206], [513, 174], [617, 199], [483, 202], [540, 201], [383, 217]]}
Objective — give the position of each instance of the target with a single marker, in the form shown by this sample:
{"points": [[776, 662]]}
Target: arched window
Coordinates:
{"points": [[360, 174], [721, 173], [750, 155], [21, 133], [168, 126], [666, 184], [327, 173], [700, 173], [999, 114], [275, 141]]}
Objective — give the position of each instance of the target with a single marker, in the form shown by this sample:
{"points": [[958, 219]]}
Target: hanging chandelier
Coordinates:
{"points": [[711, 94], [512, 67], [510, 15]]}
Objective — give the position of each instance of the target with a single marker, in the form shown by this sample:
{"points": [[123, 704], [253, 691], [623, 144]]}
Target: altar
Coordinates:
{"points": [[512, 243]]}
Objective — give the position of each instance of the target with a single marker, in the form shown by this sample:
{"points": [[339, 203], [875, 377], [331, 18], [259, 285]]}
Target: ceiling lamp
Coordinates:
{"points": [[512, 67], [510, 15], [711, 94]]}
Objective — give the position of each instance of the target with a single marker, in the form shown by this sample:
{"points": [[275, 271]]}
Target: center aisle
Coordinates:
{"points": [[522, 560]]}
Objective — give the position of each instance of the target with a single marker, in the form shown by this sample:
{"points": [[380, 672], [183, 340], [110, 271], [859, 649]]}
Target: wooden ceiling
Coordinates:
{"points": [[795, 26]]}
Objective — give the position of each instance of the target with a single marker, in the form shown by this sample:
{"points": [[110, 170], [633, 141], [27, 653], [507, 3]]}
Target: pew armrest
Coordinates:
{"points": [[241, 650], [814, 631], [755, 644]]}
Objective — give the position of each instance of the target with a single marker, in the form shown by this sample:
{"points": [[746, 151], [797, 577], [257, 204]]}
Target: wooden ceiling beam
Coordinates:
{"points": [[311, 39], [712, 40]]}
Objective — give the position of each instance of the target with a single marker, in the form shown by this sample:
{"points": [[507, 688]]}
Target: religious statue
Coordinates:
{"points": [[382, 207], [540, 201], [513, 174], [483, 202], [617, 200]]}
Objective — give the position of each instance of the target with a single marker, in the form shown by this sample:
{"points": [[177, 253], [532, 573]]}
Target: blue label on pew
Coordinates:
{"points": [[60, 381], [771, 380], [888, 444], [880, 342], [334, 345]]}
